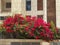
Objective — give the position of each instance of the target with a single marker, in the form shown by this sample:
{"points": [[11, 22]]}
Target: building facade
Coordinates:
{"points": [[47, 9]]}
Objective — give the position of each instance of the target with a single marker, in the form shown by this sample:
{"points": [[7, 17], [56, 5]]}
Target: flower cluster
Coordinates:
{"points": [[29, 27]]}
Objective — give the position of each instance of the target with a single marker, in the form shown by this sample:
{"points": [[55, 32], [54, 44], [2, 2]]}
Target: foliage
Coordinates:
{"points": [[54, 29], [29, 28]]}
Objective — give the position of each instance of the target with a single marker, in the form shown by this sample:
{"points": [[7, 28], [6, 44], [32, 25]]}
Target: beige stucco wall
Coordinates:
{"points": [[16, 6], [58, 13]]}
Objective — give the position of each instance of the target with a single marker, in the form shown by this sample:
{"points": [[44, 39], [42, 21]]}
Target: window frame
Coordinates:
{"points": [[28, 2]]}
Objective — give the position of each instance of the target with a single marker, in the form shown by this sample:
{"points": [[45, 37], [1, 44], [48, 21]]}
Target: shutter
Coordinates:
{"points": [[39, 4]]}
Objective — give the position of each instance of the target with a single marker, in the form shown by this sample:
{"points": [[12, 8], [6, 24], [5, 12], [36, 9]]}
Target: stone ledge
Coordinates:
{"points": [[9, 41]]}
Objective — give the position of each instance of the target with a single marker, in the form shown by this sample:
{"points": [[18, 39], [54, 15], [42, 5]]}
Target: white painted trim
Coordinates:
{"points": [[56, 13], [45, 9], [6, 14], [16, 6], [34, 13]]}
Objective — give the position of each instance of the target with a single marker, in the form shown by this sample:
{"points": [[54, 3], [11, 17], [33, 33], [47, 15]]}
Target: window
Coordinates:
{"points": [[39, 4], [28, 5], [8, 5], [2, 17]]}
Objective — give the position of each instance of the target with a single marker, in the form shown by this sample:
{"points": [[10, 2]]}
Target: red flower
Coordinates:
{"points": [[8, 24], [33, 29], [37, 37], [31, 34], [9, 31], [16, 18], [39, 22], [8, 28], [51, 37], [35, 25], [56, 29], [27, 28], [16, 23], [28, 18], [33, 18], [42, 34], [8, 21], [30, 24]]}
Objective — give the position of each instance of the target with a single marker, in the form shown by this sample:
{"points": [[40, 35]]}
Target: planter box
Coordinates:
{"points": [[26, 42]]}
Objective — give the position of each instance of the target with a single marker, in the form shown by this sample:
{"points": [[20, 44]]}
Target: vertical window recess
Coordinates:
{"points": [[28, 5]]}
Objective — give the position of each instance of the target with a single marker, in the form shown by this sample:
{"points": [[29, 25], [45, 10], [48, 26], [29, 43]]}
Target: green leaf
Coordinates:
{"points": [[53, 28]]}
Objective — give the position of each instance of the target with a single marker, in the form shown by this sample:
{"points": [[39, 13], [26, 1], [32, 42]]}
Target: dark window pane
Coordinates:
{"points": [[28, 0], [8, 5], [2, 18], [28, 5]]}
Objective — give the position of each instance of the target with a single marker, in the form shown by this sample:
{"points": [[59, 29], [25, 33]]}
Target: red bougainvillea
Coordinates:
{"points": [[31, 27]]}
